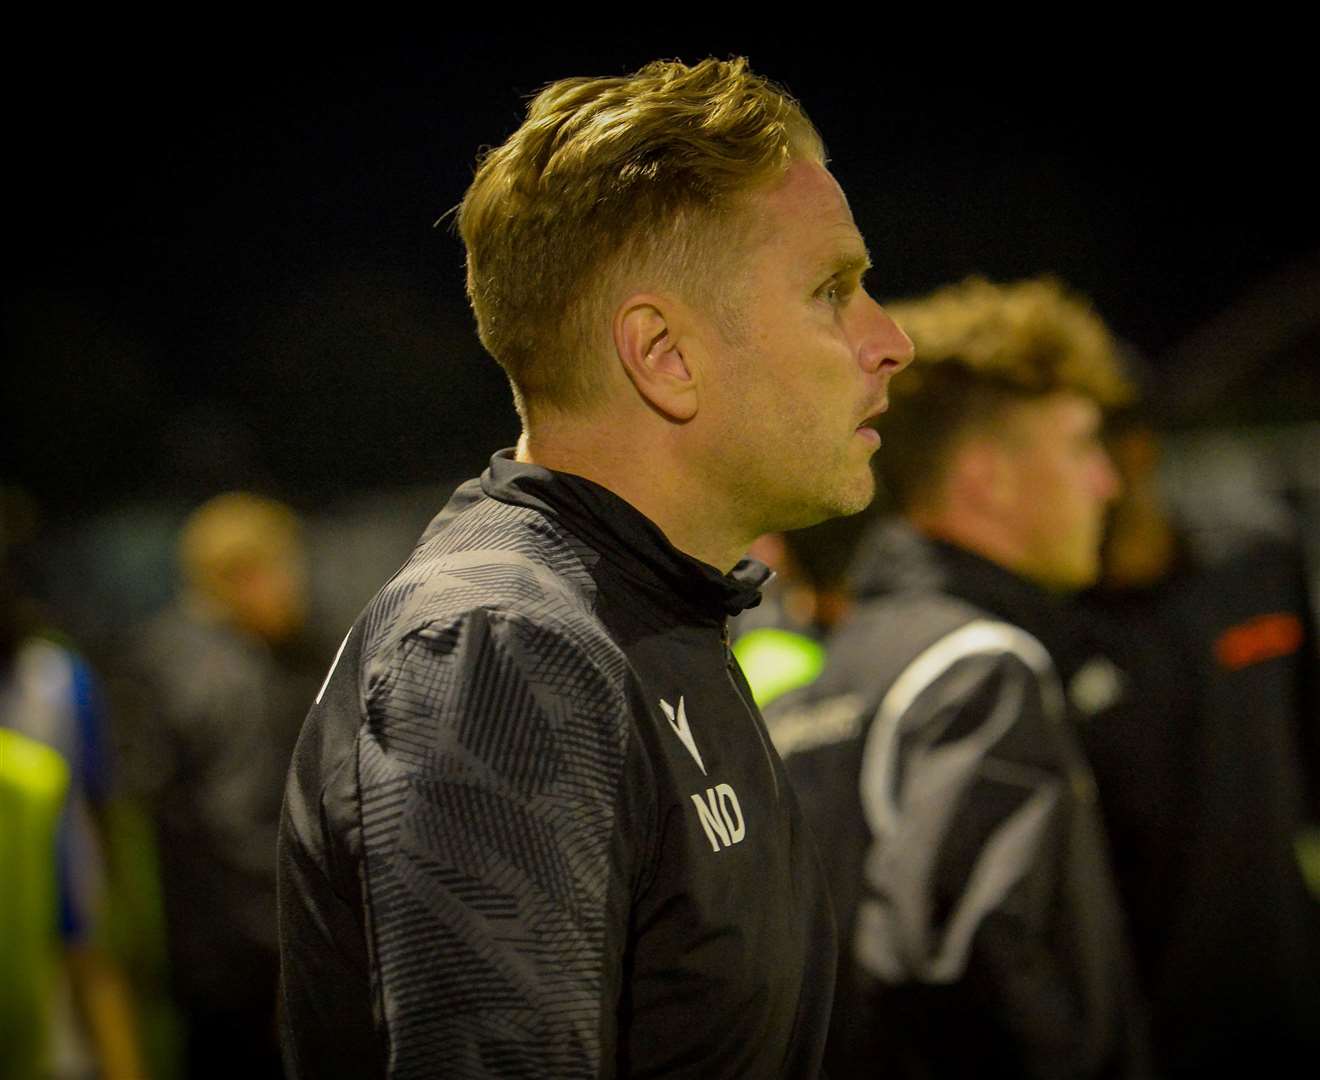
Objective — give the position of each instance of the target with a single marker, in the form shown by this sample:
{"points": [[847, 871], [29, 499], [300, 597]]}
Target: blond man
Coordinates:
{"points": [[980, 931], [206, 750], [535, 826]]}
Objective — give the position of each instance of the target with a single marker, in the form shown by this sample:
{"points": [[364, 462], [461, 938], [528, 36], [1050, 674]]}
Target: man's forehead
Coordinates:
{"points": [[808, 186], [807, 205], [1061, 412]]}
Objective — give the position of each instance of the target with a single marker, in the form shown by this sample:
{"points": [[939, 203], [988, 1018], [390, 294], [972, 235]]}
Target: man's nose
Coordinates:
{"points": [[884, 343]]}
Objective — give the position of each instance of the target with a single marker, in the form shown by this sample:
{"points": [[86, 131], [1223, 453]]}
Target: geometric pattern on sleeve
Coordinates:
{"points": [[489, 772]]}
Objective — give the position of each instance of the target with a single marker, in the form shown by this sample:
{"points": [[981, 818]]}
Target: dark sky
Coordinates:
{"points": [[222, 268]]}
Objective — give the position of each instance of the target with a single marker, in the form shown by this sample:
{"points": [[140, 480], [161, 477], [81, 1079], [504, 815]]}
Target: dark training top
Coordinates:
{"points": [[981, 932], [534, 826], [1205, 761]]}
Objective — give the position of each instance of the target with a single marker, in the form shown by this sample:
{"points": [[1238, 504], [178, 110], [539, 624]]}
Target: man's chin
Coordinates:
{"points": [[807, 506], [1077, 576], [845, 503]]}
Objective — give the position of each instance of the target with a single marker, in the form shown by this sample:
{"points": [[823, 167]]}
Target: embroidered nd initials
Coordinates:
{"points": [[720, 816]]}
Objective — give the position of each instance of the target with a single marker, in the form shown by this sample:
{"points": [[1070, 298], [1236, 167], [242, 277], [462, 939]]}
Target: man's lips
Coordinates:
{"points": [[872, 418]]}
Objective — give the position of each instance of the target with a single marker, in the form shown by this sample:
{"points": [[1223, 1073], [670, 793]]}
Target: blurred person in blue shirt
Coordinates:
{"points": [[66, 1010]]}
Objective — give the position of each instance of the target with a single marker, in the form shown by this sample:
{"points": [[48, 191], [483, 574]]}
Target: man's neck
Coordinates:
{"points": [[981, 539], [644, 470]]}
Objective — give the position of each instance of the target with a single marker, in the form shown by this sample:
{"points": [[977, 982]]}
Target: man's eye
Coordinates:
{"points": [[833, 291]]}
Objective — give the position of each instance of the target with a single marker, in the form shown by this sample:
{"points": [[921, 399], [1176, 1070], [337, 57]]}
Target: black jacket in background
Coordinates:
{"points": [[936, 760], [1205, 761], [534, 826]]}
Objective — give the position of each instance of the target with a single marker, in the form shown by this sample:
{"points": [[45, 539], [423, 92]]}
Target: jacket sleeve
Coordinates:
{"points": [[965, 785], [500, 834]]}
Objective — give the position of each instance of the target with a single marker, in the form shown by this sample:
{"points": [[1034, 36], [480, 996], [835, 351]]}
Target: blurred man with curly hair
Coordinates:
{"points": [[980, 931]]}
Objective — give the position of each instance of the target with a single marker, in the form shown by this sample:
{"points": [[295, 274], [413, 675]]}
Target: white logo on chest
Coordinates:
{"points": [[679, 722], [1098, 685]]}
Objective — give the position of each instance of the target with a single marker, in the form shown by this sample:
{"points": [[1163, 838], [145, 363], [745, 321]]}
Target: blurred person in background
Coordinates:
{"points": [[534, 824], [208, 751], [980, 924], [66, 1009], [1203, 733]]}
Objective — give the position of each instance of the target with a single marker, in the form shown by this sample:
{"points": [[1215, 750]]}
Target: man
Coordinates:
{"points": [[980, 932], [1206, 760], [207, 749], [55, 787], [534, 825]]}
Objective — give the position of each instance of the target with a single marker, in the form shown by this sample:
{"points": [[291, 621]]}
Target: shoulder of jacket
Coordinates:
{"points": [[894, 651], [502, 560], [980, 637]]}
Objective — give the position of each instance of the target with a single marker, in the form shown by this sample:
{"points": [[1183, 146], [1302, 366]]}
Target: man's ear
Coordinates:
{"points": [[650, 348], [982, 475]]}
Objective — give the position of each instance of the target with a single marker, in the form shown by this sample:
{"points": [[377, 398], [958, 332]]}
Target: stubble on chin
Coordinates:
{"points": [[858, 498], [850, 494]]}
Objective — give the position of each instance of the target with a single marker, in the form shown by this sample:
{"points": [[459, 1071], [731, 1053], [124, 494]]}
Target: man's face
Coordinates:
{"points": [[268, 595], [1058, 483], [808, 371]]}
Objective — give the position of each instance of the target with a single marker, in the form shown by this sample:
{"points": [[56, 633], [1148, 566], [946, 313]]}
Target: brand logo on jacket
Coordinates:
{"points": [[718, 809], [1098, 685], [679, 722]]}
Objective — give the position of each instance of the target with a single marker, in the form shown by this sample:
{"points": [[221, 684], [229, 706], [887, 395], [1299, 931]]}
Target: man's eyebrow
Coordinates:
{"points": [[851, 263]]}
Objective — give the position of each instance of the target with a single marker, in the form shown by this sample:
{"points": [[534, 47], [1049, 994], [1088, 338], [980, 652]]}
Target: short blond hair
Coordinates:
{"points": [[980, 347], [606, 176], [233, 531]]}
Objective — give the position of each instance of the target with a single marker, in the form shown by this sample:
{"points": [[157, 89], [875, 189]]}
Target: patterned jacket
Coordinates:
{"points": [[534, 825]]}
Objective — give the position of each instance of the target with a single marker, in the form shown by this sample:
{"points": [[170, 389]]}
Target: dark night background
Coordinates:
{"points": [[223, 270]]}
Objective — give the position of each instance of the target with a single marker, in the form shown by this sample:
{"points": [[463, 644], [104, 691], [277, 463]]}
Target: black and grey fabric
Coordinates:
{"points": [[535, 827], [981, 934], [1205, 762]]}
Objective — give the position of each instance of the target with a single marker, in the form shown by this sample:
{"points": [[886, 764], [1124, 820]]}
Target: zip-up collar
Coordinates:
{"points": [[630, 541], [897, 558]]}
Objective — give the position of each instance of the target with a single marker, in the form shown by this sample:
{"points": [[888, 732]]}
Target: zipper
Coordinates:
{"points": [[731, 670]]}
